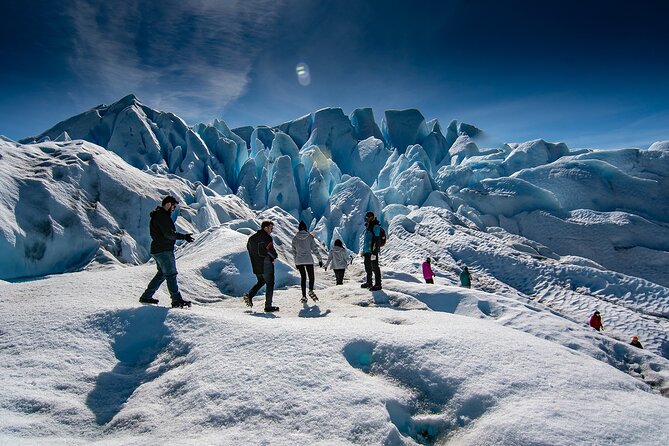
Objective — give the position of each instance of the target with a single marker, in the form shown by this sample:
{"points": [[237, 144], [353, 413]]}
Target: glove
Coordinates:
{"points": [[320, 263], [188, 237]]}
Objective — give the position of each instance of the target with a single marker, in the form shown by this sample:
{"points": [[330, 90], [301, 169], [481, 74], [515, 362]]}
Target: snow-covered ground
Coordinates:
{"points": [[414, 363], [549, 233]]}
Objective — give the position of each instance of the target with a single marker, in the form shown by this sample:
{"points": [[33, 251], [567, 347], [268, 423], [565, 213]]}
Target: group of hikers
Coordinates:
{"points": [[262, 253], [260, 247], [429, 275], [595, 321]]}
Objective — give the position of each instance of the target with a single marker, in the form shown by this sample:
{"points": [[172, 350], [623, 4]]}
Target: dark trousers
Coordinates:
{"points": [[429, 280], [339, 276], [266, 278], [304, 270], [372, 266], [167, 271]]}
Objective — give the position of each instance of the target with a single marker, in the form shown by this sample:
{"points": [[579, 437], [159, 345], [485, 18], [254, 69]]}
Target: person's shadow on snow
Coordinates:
{"points": [[314, 311], [263, 315], [137, 335]]}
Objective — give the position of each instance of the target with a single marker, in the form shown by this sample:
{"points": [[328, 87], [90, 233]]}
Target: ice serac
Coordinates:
{"points": [[264, 134], [298, 129], [469, 130], [282, 188], [143, 137], [244, 133], [369, 157], [321, 175], [462, 148], [345, 213], [364, 126], [436, 145], [284, 145], [332, 132], [402, 128], [532, 154], [415, 184]]}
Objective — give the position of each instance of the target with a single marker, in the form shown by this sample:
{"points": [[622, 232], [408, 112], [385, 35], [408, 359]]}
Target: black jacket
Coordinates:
{"points": [[259, 246], [163, 232]]}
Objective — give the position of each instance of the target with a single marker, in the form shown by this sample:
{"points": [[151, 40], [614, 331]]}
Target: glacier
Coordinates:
{"points": [[78, 194], [550, 233]]}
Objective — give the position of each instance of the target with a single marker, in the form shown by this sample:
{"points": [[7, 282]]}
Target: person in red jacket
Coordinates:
{"points": [[635, 342], [595, 321]]}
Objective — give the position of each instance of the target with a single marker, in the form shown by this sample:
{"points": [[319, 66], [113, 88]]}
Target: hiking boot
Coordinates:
{"points": [[271, 309], [366, 285], [181, 303], [148, 300], [375, 288], [304, 299], [248, 300], [313, 296]]}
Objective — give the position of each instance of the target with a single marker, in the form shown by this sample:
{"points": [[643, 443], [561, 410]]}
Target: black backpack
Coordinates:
{"points": [[381, 241]]}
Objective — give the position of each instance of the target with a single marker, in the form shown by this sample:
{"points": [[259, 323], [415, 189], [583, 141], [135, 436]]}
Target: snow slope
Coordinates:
{"points": [[408, 365]]}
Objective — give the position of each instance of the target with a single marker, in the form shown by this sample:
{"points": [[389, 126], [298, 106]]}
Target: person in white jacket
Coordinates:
{"points": [[303, 246], [339, 261]]}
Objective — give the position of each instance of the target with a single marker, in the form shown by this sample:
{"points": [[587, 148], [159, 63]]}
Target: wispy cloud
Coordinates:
{"points": [[192, 57]]}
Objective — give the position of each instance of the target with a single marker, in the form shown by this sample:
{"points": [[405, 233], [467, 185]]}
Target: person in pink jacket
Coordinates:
{"points": [[428, 274]]}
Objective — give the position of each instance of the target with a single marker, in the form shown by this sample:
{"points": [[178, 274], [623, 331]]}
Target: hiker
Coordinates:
{"points": [[635, 342], [370, 252], [163, 238], [262, 253], [466, 278], [595, 321], [303, 246], [428, 274], [339, 261]]}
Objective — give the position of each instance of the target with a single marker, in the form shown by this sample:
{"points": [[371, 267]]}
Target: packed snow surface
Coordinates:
{"points": [[412, 364]]}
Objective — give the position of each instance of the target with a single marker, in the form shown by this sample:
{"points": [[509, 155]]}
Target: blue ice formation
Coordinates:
{"points": [[329, 169]]}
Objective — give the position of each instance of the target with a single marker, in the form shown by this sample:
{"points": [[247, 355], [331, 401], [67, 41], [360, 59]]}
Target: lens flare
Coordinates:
{"points": [[303, 76]]}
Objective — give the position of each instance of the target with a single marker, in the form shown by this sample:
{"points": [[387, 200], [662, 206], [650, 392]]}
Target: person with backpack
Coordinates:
{"points": [[163, 238], [303, 246], [262, 253], [466, 278], [428, 274], [595, 321], [635, 342], [374, 239], [339, 261]]}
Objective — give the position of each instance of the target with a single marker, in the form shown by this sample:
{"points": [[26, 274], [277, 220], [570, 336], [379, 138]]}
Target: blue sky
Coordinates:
{"points": [[589, 73]]}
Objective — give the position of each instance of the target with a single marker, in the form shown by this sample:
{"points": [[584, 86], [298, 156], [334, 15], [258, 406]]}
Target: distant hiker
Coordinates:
{"points": [[303, 246], [428, 274], [370, 252], [262, 253], [164, 236], [635, 342], [595, 321], [339, 261], [466, 278]]}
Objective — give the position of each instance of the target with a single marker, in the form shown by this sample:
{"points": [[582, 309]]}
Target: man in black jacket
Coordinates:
{"points": [[262, 253], [164, 236]]}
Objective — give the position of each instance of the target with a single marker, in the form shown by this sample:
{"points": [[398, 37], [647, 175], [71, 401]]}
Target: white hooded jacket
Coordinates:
{"points": [[303, 245], [338, 258]]}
